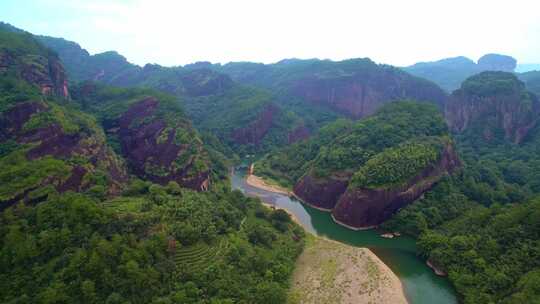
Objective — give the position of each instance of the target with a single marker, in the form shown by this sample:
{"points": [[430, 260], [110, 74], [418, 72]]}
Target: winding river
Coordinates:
{"points": [[421, 285]]}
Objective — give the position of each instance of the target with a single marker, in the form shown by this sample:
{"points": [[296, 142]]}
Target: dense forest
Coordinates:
{"points": [[97, 201]]}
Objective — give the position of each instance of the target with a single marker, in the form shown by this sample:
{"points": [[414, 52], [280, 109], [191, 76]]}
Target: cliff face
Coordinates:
{"points": [[257, 129], [361, 95], [64, 158], [42, 70], [360, 208], [321, 193], [160, 150], [507, 107]]}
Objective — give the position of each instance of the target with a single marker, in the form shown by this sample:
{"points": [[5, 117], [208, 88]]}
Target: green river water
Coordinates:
{"points": [[421, 285]]}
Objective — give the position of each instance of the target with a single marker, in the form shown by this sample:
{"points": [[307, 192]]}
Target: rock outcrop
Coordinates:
{"points": [[491, 103], [44, 71], [162, 150], [363, 208], [321, 193], [360, 93], [79, 156], [257, 129]]}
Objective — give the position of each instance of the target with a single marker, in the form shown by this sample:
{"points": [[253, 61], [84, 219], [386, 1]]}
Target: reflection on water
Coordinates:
{"points": [[420, 283]]}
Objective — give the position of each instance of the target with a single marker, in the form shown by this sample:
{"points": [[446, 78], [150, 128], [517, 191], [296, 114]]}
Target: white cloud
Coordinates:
{"points": [[395, 32]]}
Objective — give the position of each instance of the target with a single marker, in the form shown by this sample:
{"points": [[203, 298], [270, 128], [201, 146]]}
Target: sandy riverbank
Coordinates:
{"points": [[328, 271], [260, 183], [333, 272]]}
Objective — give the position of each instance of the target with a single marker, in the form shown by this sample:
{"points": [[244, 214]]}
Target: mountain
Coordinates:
{"points": [[531, 80], [527, 67], [480, 225], [109, 195], [355, 88], [249, 120], [152, 133], [495, 105], [47, 144], [366, 171], [450, 72]]}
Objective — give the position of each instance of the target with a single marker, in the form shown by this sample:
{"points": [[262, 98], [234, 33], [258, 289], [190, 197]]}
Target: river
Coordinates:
{"points": [[421, 285]]}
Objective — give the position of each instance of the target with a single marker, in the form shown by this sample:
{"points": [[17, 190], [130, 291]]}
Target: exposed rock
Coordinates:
{"points": [[149, 144], [203, 82], [366, 208], [321, 193], [507, 106], [257, 129], [362, 94], [436, 269], [51, 140]]}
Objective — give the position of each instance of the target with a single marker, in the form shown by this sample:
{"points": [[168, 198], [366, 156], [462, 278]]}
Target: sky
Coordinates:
{"points": [[400, 33]]}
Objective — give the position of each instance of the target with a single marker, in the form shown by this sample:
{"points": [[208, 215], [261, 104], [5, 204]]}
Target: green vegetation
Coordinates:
{"points": [[19, 175], [481, 225], [491, 84], [395, 166], [346, 147], [532, 80], [69, 249], [287, 165]]}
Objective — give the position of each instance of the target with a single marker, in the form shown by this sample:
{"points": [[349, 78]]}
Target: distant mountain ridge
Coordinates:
{"points": [[450, 72]]}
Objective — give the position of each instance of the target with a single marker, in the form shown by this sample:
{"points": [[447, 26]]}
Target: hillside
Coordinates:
{"points": [[355, 88], [480, 226], [495, 105], [249, 119], [98, 200], [531, 80], [341, 169]]}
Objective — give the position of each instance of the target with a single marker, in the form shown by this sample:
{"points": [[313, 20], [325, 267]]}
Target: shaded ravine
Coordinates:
{"points": [[421, 285]]}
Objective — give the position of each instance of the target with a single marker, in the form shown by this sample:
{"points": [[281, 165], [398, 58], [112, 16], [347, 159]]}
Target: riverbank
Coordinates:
{"points": [[332, 272], [328, 271], [260, 183]]}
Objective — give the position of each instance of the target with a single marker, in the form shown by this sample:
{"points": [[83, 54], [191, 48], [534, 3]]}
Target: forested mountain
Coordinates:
{"points": [[365, 171], [479, 224], [448, 73], [279, 103], [98, 204], [355, 88], [532, 80], [482, 225]]}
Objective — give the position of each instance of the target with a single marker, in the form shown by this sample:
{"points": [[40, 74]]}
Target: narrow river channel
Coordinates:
{"points": [[421, 285]]}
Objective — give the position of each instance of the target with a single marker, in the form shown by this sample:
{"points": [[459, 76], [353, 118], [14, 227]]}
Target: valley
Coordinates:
{"points": [[116, 183]]}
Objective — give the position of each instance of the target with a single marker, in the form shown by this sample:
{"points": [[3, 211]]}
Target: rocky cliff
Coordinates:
{"points": [[21, 57], [361, 94], [354, 87], [153, 133], [379, 165], [493, 105], [54, 149], [364, 208], [257, 129]]}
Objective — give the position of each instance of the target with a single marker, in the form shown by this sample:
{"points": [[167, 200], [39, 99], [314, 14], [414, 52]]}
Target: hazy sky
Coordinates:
{"points": [[179, 32]]}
